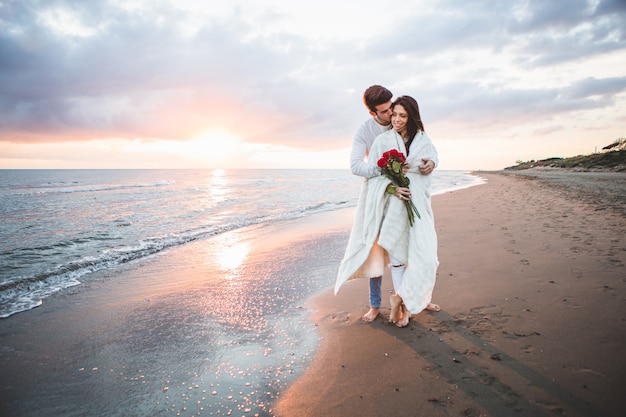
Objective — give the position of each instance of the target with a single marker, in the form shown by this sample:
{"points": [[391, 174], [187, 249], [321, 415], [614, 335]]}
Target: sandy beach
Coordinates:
{"points": [[531, 285]]}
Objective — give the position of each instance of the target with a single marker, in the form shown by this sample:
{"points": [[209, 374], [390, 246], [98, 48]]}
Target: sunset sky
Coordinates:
{"points": [[279, 83]]}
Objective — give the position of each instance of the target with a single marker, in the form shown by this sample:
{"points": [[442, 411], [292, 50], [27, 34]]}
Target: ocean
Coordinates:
{"points": [[64, 228], [59, 226]]}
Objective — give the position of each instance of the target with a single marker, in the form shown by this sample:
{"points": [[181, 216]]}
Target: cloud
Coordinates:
{"points": [[507, 61], [590, 87], [133, 77], [293, 76]]}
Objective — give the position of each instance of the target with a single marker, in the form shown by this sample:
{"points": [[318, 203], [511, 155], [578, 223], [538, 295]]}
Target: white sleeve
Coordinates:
{"points": [[358, 165]]}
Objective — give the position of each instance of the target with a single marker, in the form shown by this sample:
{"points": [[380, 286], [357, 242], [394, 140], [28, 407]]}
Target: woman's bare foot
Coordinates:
{"points": [[395, 301], [406, 315], [371, 315], [433, 307]]}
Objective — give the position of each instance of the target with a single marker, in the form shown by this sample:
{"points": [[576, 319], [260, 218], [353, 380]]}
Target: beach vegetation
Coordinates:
{"points": [[618, 145], [612, 158]]}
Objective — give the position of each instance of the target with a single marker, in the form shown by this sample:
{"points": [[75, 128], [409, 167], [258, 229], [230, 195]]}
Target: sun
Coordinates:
{"points": [[214, 141], [215, 148]]}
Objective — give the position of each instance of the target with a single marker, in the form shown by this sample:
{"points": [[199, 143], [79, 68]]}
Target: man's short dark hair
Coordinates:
{"points": [[375, 96]]}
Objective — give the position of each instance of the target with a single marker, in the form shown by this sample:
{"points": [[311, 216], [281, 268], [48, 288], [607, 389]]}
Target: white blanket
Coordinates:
{"points": [[381, 224]]}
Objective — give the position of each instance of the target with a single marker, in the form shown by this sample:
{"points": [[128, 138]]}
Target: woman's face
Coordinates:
{"points": [[399, 119]]}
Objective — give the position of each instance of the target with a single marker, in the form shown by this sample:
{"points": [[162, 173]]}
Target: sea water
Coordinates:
{"points": [[60, 225], [228, 347]]}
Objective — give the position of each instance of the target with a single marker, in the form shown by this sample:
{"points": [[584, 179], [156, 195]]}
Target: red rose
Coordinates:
{"points": [[397, 155], [382, 162]]}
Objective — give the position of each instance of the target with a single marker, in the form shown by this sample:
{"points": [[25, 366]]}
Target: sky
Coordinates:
{"points": [[279, 83]]}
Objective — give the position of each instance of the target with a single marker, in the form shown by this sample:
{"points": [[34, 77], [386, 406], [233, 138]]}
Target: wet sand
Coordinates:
{"points": [[214, 327], [533, 321]]}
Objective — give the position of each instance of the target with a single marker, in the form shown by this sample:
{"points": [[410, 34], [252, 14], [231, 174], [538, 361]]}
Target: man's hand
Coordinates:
{"points": [[427, 167]]}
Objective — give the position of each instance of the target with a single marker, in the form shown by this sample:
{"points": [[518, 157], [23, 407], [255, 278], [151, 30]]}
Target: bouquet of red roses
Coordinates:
{"points": [[390, 165]]}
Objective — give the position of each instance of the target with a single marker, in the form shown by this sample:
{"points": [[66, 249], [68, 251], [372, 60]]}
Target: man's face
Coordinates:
{"points": [[383, 113]]}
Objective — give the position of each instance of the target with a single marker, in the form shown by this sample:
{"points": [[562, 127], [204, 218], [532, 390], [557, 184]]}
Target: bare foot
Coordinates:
{"points": [[395, 301], [406, 315], [371, 315], [433, 307]]}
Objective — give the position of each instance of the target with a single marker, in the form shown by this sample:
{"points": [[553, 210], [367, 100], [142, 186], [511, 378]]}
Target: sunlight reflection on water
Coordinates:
{"points": [[256, 336]]}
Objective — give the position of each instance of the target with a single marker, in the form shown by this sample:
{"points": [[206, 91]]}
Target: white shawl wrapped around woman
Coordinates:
{"points": [[381, 224]]}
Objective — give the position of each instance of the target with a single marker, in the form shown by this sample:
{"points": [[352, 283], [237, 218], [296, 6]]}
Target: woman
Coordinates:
{"points": [[381, 232]]}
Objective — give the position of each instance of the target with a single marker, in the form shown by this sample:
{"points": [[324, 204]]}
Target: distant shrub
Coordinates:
{"points": [[614, 160], [618, 145]]}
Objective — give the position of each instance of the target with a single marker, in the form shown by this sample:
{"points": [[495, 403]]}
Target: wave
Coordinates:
{"points": [[460, 181], [24, 293], [90, 188]]}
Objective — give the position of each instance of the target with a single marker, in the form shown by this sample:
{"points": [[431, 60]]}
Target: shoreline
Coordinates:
{"points": [[214, 326], [532, 323]]}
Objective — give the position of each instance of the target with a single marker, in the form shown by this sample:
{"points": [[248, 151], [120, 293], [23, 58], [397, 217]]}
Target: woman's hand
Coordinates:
{"points": [[403, 193]]}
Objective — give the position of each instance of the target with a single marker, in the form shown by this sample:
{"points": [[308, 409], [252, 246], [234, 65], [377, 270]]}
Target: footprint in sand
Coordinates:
{"points": [[471, 412], [570, 302], [483, 319]]}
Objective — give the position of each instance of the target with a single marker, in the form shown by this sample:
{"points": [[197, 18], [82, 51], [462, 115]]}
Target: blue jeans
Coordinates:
{"points": [[375, 291]]}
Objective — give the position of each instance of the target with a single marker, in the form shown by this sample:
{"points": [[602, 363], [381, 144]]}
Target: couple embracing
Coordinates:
{"points": [[394, 224]]}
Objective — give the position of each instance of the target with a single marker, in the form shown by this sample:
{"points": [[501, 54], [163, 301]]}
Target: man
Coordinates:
{"points": [[377, 99]]}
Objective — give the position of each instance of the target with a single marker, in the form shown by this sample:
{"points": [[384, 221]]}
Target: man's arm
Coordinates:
{"points": [[358, 165]]}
